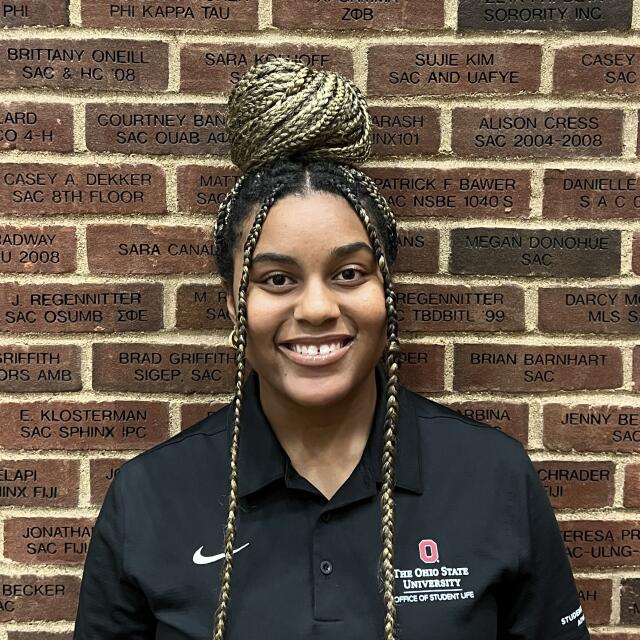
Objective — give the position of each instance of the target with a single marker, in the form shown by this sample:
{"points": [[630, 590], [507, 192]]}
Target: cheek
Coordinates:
{"points": [[266, 314]]}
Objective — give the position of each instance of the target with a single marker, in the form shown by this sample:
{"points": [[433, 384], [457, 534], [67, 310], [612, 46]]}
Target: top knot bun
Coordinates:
{"points": [[282, 108]]}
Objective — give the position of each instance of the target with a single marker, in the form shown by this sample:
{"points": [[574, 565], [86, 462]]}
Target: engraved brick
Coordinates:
{"points": [[34, 635], [334, 14], [455, 193], [418, 250], [101, 472], [630, 601], [47, 189], [99, 65], [202, 306], [566, 132], [535, 252], [201, 189], [169, 14], [36, 368], [139, 248], [530, 368], [72, 426], [422, 366], [27, 598], [510, 417], [32, 13], [577, 485], [615, 636], [595, 598], [590, 194], [599, 544], [632, 486], [555, 15], [605, 69], [49, 249], [64, 308], [159, 368], [636, 253], [636, 369], [39, 483], [438, 308], [47, 540], [29, 126], [194, 412], [588, 427], [218, 67], [404, 131], [159, 129], [610, 310], [442, 69]]}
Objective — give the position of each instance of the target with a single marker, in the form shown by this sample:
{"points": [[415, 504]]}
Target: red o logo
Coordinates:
{"points": [[428, 551]]}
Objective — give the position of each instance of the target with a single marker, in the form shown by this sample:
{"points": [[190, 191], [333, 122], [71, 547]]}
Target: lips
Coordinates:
{"points": [[318, 360]]}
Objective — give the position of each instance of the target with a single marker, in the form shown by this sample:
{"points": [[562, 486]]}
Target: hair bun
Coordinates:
{"points": [[282, 108]]}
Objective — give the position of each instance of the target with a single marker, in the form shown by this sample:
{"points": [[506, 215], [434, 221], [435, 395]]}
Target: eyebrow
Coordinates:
{"points": [[336, 252]]}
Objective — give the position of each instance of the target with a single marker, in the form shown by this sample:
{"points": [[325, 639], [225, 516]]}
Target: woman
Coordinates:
{"points": [[327, 500]]}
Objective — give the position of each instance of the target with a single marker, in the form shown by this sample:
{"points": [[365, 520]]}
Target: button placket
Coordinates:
{"points": [[327, 596]]}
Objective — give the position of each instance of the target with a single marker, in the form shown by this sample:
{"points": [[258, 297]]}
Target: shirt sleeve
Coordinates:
{"points": [[110, 605], [539, 602]]}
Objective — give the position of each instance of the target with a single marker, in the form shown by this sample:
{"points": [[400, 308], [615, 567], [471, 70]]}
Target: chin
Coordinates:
{"points": [[317, 391]]}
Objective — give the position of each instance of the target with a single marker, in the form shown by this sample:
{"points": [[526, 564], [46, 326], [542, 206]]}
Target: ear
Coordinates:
{"points": [[231, 307]]}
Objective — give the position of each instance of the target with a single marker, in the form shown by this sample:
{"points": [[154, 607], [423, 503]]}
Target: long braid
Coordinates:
{"points": [[230, 533]]}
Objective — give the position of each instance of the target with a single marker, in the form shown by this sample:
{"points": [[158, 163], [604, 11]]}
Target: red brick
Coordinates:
{"points": [[516, 368], [404, 131], [601, 310], [38, 368], [636, 369], [160, 368], [139, 248], [177, 129], [29, 126], [630, 601], [37, 63], [31, 13], [46, 189], [39, 483], [418, 250], [43, 249], [217, 67], [444, 69], [600, 544], [71, 426], [590, 194], [510, 417], [402, 14], [567, 132], [455, 193], [65, 308], [47, 540], [202, 188], [29, 635], [27, 598], [164, 14], [421, 366], [202, 306], [605, 69], [437, 308], [632, 486], [589, 427], [577, 485], [636, 253], [102, 471], [194, 412], [595, 598]]}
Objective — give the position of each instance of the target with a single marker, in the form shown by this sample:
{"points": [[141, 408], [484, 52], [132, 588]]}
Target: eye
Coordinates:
{"points": [[279, 279], [353, 270]]}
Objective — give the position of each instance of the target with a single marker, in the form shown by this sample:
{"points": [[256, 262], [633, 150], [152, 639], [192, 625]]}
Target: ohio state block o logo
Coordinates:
{"points": [[428, 551]]}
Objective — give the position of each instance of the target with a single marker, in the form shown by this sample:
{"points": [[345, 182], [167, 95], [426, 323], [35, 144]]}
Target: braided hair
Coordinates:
{"points": [[295, 130]]}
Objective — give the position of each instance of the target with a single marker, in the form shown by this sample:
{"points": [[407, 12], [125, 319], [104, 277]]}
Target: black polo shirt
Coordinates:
{"points": [[478, 553]]}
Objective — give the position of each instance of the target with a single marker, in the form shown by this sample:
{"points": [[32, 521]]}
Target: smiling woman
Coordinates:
{"points": [[321, 443]]}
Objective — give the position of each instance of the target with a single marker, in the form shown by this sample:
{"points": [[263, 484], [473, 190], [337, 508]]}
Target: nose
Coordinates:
{"points": [[317, 303]]}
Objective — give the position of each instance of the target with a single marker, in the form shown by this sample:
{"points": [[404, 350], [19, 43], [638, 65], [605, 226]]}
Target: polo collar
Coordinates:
{"points": [[262, 459]]}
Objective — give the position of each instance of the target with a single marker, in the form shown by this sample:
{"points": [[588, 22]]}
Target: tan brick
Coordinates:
{"points": [[404, 131], [139, 248], [202, 306], [31, 13], [632, 486], [595, 598], [27, 598], [65, 308], [516, 368], [201, 189], [30, 126], [39, 483], [44, 249], [443, 69], [567, 132], [96, 64], [588, 427]]}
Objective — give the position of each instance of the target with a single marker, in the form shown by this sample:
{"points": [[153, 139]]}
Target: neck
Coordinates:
{"points": [[323, 443]]}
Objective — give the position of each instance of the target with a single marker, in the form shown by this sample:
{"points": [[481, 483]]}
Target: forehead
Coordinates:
{"points": [[308, 224]]}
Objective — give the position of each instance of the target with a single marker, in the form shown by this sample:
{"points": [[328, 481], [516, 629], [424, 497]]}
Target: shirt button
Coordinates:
{"points": [[326, 567], [325, 517]]}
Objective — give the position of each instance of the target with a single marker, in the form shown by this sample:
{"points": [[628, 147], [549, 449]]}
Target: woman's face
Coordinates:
{"points": [[314, 280]]}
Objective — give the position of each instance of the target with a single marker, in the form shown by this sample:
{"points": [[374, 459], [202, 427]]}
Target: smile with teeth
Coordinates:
{"points": [[313, 350]]}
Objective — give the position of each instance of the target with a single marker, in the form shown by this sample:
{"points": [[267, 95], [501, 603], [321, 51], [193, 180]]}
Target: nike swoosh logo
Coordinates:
{"points": [[198, 558]]}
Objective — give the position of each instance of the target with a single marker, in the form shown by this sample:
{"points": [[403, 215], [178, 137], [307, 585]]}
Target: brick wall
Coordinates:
{"points": [[506, 140]]}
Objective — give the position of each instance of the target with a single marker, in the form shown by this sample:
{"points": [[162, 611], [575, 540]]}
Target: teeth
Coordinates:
{"points": [[313, 350]]}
